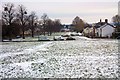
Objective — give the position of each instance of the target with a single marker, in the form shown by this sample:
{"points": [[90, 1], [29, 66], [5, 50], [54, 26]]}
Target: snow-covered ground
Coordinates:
{"points": [[84, 57]]}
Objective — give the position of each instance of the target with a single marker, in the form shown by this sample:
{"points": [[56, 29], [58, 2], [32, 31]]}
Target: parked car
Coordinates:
{"points": [[70, 38], [75, 34], [43, 38], [58, 38], [18, 36], [118, 37], [65, 35]]}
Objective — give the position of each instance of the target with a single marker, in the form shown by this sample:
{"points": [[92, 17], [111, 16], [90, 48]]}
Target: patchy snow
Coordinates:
{"points": [[85, 58], [85, 38], [28, 51]]}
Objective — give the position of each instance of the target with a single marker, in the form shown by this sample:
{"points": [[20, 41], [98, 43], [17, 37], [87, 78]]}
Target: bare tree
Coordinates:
{"points": [[57, 25], [8, 16], [79, 24], [44, 18], [32, 22], [23, 18], [49, 26], [116, 20]]}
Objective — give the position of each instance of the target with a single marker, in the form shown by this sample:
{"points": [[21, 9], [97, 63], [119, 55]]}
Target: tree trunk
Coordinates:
{"points": [[10, 33], [50, 33], [23, 33], [32, 33], [44, 31]]}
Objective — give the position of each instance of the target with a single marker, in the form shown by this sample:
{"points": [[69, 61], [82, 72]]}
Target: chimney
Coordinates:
{"points": [[106, 20], [100, 20]]}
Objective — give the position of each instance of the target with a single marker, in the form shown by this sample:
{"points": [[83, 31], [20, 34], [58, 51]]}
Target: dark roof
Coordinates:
{"points": [[107, 24], [99, 24], [111, 25], [88, 25]]}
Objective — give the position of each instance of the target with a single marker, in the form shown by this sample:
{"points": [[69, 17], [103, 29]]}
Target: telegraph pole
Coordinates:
{"points": [[119, 8]]}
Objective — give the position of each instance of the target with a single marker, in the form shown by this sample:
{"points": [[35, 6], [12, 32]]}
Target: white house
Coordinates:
{"points": [[106, 30]]}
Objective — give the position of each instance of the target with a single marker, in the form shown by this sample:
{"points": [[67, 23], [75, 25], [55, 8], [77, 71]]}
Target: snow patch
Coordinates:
{"points": [[28, 51], [26, 65], [82, 37]]}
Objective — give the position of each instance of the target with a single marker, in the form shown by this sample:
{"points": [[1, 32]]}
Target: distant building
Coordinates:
{"points": [[65, 30], [100, 29], [106, 30], [67, 27]]}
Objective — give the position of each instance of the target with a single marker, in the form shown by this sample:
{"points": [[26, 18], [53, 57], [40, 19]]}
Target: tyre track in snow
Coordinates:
{"points": [[29, 50]]}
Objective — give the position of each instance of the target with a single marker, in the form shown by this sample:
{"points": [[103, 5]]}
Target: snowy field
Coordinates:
{"points": [[85, 58]]}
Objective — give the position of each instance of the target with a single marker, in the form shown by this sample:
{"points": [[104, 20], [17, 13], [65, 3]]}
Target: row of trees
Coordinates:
{"points": [[49, 25], [17, 21]]}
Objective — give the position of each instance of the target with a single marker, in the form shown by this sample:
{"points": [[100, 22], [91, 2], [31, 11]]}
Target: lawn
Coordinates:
{"points": [[85, 58]]}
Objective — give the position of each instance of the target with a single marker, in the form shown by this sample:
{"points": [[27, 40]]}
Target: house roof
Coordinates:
{"points": [[106, 25], [96, 25], [99, 24], [88, 26]]}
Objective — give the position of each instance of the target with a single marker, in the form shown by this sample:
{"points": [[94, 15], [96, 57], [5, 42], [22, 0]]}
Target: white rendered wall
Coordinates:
{"points": [[107, 31]]}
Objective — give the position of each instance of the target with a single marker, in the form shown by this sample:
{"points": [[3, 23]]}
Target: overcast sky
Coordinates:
{"points": [[90, 11]]}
